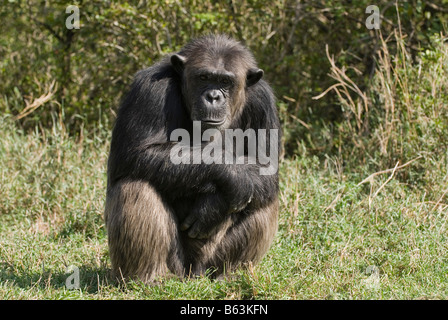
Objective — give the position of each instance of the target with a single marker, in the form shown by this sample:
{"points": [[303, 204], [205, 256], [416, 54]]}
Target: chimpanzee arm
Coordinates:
{"points": [[261, 113]]}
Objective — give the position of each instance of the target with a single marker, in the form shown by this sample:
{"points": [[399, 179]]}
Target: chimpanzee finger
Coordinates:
{"points": [[188, 221], [195, 230], [207, 234]]}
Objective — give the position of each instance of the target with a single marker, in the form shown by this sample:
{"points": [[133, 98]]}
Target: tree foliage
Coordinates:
{"points": [[91, 67]]}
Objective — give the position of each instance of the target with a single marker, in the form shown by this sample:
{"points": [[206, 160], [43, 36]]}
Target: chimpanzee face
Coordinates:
{"points": [[209, 92], [213, 88]]}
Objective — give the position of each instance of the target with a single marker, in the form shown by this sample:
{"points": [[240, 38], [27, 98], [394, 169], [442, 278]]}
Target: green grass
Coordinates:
{"points": [[331, 230]]}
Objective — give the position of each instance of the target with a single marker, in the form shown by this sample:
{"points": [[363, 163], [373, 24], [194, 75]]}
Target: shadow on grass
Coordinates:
{"points": [[92, 280]]}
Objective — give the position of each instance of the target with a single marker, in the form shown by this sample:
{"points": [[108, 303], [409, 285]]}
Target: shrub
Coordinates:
{"points": [[402, 116]]}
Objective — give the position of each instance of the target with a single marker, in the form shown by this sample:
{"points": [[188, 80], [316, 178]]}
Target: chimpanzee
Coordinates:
{"points": [[189, 217]]}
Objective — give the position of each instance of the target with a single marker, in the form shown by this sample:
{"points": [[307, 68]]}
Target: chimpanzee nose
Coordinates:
{"points": [[214, 95]]}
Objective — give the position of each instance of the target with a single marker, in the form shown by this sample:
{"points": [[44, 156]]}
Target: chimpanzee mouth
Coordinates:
{"points": [[213, 122]]}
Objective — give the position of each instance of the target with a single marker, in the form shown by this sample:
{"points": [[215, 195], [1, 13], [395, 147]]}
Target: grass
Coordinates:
{"points": [[331, 230], [368, 222]]}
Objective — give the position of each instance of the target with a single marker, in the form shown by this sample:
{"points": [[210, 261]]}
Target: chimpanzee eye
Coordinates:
{"points": [[225, 81], [203, 77]]}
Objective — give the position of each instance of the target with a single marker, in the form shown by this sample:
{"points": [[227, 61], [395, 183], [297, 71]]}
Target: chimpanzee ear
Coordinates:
{"points": [[253, 76], [178, 62]]}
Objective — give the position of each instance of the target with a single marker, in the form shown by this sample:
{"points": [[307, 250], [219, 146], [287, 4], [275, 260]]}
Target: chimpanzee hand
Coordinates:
{"points": [[208, 214], [235, 189], [237, 186]]}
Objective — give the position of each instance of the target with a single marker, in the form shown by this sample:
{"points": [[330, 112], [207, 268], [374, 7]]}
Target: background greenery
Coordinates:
{"points": [[365, 118]]}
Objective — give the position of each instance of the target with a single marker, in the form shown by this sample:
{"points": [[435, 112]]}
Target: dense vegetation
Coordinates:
{"points": [[365, 118]]}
